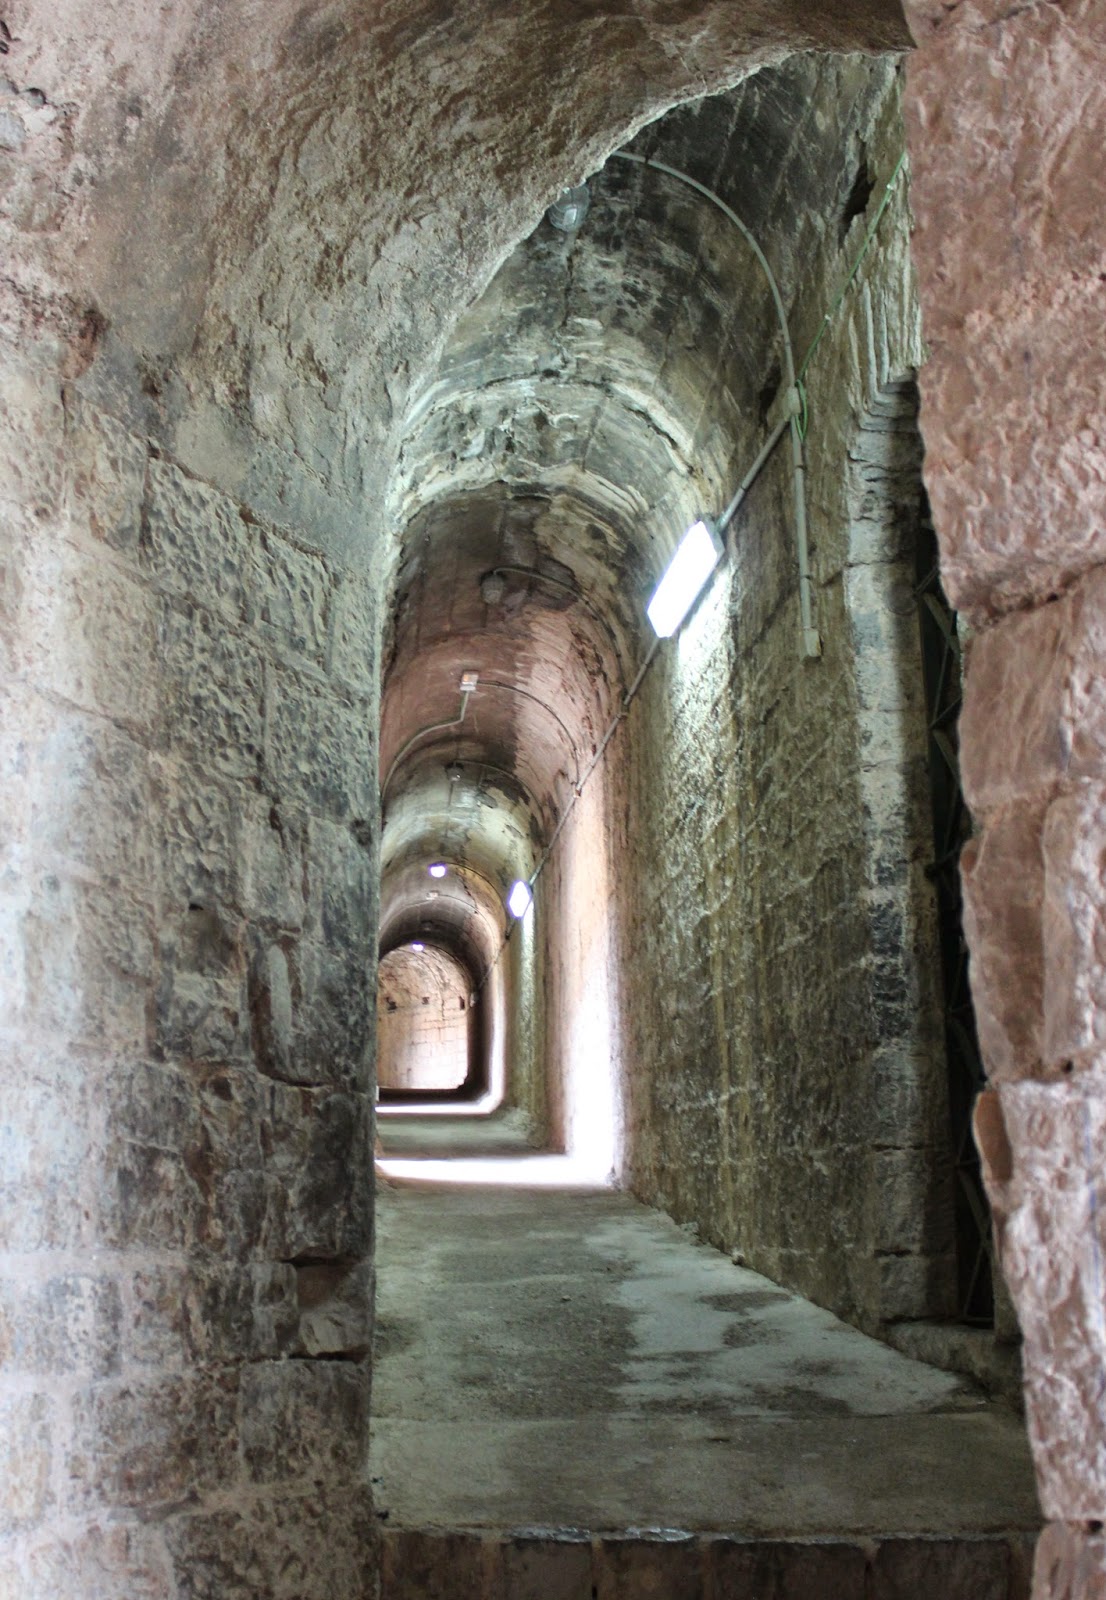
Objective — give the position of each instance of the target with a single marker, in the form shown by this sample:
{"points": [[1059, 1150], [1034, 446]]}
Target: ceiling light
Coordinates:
{"points": [[696, 557], [520, 899], [570, 208], [417, 945], [469, 680], [493, 586], [437, 869]]}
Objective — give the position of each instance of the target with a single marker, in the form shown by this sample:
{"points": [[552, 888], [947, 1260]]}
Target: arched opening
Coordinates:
{"points": [[424, 1023], [236, 311]]}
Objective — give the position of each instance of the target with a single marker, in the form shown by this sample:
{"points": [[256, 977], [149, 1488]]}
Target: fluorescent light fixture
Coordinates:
{"points": [[519, 899], [416, 945], [696, 557], [437, 869], [469, 680]]}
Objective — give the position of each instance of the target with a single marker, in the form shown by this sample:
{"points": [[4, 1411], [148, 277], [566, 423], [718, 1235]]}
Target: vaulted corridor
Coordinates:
{"points": [[552, 586]]}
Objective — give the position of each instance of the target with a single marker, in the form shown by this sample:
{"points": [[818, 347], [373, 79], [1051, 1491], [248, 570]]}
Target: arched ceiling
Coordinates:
{"points": [[607, 388], [279, 207]]}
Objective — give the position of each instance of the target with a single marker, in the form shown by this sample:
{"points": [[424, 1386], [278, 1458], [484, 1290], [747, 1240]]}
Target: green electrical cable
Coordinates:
{"points": [[885, 201]]}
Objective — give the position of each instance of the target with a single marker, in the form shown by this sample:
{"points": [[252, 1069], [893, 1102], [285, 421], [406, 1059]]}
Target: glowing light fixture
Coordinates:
{"points": [[417, 945], [696, 557], [437, 869], [519, 899], [570, 208]]}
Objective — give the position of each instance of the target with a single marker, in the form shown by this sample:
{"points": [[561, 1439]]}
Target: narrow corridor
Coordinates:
{"points": [[575, 1388]]}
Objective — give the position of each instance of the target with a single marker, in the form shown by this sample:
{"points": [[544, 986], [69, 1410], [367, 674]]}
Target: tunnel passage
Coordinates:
{"points": [[223, 287], [732, 974], [423, 1022]]}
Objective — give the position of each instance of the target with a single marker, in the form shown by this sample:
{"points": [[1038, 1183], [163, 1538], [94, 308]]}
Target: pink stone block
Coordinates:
{"points": [[1051, 1234], [1075, 924], [1003, 877]]}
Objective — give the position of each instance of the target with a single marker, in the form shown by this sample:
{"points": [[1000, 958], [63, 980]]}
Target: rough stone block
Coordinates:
{"points": [[199, 851], [955, 1568], [1052, 1240], [33, 422], [90, 798], [638, 1568], [320, 749], [106, 472], [44, 1148], [1075, 925], [916, 1286], [353, 657], [318, 1173], [284, 1546], [1070, 1563], [196, 544], [89, 633], [213, 693], [69, 1323], [433, 1565], [197, 1315], [342, 864], [304, 1419], [144, 1443], [201, 1002], [270, 849], [1004, 881], [335, 1309], [786, 1571], [26, 1460], [96, 1563], [293, 599], [545, 1567], [88, 963], [911, 1197]]}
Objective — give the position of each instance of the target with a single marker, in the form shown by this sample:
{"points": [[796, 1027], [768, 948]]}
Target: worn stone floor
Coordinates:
{"points": [[574, 1362]]}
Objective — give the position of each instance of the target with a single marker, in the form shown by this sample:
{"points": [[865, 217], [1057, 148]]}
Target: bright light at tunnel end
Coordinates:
{"points": [[697, 555], [520, 899]]}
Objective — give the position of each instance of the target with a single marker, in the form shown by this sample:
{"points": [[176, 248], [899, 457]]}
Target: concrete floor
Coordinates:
{"points": [[575, 1360]]}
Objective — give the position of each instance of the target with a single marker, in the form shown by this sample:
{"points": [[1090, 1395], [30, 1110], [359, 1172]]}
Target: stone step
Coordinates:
{"points": [[648, 1564]]}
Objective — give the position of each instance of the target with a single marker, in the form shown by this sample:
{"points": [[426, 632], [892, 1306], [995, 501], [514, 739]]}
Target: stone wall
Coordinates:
{"points": [[782, 1011], [188, 909], [1005, 111]]}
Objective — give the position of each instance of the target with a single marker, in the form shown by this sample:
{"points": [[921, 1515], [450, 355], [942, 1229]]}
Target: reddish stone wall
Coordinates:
{"points": [[1006, 110]]}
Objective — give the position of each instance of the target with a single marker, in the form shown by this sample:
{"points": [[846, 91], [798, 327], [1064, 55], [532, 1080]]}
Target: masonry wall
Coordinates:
{"points": [[785, 1068], [188, 914], [1011, 262]]}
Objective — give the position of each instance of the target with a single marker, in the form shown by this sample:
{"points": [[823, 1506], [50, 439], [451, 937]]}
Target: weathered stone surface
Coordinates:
{"points": [[320, 749], [106, 474], [150, 1441], [26, 1460], [1043, 1176], [300, 1546], [186, 1316], [335, 1309], [1074, 925], [92, 1562], [304, 1419], [1004, 882], [1071, 1562], [1013, 393], [213, 706], [67, 1324]]}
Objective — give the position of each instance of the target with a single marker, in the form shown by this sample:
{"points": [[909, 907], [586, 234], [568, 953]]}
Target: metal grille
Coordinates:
{"points": [[952, 826]]}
